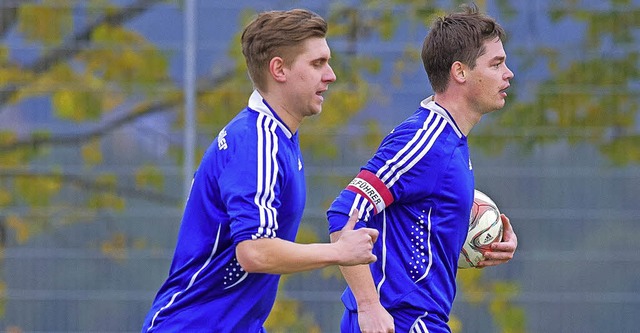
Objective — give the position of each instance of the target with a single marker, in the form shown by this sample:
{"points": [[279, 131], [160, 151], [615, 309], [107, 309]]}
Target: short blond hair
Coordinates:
{"points": [[278, 34]]}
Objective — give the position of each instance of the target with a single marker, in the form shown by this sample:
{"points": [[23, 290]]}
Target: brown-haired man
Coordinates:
{"points": [[417, 189], [248, 194]]}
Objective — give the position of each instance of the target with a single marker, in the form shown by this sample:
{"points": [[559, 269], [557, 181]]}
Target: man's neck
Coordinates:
{"points": [[462, 114], [284, 112]]}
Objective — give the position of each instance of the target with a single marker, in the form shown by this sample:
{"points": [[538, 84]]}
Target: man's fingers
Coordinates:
{"points": [[373, 233], [505, 221], [351, 223]]}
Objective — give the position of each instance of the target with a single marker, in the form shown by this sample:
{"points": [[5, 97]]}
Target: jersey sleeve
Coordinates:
{"points": [[250, 185], [404, 168]]}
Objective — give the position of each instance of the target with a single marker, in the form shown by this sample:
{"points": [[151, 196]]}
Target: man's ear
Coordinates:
{"points": [[276, 69], [459, 72]]}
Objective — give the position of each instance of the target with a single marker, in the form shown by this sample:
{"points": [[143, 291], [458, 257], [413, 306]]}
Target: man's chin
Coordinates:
{"points": [[315, 111], [500, 105]]}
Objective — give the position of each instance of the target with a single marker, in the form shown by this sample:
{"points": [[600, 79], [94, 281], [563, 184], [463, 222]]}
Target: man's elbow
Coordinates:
{"points": [[250, 258]]}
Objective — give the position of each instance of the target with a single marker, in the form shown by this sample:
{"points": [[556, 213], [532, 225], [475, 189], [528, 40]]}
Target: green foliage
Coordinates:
{"points": [[588, 101], [3, 298], [37, 191], [510, 318], [498, 295], [10, 73], [85, 77], [6, 197], [91, 153], [150, 176], [15, 158], [106, 198], [35, 28], [287, 316], [591, 99], [125, 57], [115, 247], [76, 106]]}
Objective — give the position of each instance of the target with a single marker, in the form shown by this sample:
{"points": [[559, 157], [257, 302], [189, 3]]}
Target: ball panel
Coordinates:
{"points": [[485, 227]]}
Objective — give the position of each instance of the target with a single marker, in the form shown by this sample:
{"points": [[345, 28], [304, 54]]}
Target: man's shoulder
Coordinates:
{"points": [[424, 124]]}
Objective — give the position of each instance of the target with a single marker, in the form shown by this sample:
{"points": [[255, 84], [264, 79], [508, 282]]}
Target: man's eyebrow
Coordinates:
{"points": [[321, 59], [499, 58]]}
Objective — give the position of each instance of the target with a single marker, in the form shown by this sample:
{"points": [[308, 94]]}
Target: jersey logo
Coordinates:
{"points": [[470, 166], [299, 164], [222, 141]]}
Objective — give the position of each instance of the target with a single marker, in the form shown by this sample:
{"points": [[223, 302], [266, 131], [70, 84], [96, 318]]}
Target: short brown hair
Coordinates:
{"points": [[277, 34], [455, 37]]}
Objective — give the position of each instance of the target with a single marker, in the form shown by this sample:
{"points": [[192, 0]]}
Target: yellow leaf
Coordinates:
{"points": [[37, 191], [111, 99], [149, 176], [13, 75], [108, 179], [47, 23], [107, 201], [77, 105], [6, 198], [306, 235], [20, 228], [4, 54], [91, 152], [455, 324], [13, 158], [115, 247], [64, 103]]}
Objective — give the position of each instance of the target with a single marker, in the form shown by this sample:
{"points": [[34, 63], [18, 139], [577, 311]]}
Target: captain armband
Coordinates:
{"points": [[369, 186]]}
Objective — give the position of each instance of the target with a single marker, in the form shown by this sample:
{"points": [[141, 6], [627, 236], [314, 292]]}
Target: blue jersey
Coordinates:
{"points": [[249, 185], [417, 191]]}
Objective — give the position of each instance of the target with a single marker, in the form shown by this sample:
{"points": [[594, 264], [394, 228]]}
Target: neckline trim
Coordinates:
{"points": [[259, 104], [429, 104]]}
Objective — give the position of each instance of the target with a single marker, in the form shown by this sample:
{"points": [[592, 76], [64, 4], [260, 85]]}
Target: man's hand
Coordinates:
{"points": [[503, 251], [373, 318], [355, 245]]}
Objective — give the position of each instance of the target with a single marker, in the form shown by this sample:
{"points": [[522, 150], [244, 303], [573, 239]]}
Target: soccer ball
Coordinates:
{"points": [[485, 227]]}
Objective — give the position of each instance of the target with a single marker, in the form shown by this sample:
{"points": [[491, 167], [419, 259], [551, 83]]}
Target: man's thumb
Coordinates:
{"points": [[351, 223]]}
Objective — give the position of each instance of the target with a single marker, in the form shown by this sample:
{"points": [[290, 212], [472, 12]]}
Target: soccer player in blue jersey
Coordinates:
{"points": [[417, 189], [248, 194]]}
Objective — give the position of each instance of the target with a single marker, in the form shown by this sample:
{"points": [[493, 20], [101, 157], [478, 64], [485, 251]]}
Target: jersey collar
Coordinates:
{"points": [[429, 104], [258, 104]]}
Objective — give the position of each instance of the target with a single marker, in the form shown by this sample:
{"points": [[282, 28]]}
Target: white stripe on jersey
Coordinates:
{"points": [[363, 206], [384, 251], [273, 177], [191, 281], [417, 147], [402, 151], [266, 176], [419, 326]]}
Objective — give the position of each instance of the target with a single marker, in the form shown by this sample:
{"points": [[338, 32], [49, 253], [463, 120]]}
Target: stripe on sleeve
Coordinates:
{"points": [[266, 177], [413, 151]]}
